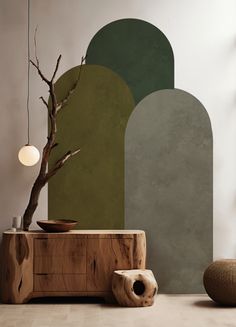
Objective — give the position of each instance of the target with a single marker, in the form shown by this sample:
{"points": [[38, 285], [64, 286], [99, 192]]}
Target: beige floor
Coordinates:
{"points": [[168, 311]]}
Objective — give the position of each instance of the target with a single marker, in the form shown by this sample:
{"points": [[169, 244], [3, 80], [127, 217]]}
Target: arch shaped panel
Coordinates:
{"points": [[169, 186], [136, 50], [90, 188]]}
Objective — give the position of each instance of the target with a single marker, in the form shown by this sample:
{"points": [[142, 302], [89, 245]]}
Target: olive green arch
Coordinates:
{"points": [[136, 50], [169, 187], [90, 187]]}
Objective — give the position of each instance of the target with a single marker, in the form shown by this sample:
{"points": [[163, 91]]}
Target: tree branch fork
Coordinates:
{"points": [[53, 109]]}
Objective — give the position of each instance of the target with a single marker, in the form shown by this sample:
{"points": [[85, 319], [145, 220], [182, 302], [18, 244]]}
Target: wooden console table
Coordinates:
{"points": [[76, 263]]}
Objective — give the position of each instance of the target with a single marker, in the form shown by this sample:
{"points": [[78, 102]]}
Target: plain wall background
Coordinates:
{"points": [[203, 37]]}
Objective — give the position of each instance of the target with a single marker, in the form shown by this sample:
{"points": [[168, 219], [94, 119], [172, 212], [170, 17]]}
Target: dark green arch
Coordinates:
{"points": [[136, 50], [90, 187]]}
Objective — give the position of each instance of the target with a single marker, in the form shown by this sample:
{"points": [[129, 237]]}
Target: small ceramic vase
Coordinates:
{"points": [[17, 222]]}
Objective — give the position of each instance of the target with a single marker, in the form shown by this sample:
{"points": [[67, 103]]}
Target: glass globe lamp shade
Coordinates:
{"points": [[29, 155]]}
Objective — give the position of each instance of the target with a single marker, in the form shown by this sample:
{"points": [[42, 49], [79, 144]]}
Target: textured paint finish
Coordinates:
{"points": [[169, 187], [90, 188], [138, 51]]}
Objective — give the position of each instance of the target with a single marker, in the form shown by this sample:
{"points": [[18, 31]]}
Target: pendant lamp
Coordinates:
{"points": [[28, 155]]}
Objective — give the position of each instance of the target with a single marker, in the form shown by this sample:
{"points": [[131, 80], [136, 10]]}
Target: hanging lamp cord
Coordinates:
{"points": [[28, 76]]}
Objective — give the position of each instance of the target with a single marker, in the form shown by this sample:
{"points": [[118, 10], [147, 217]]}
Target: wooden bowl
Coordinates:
{"points": [[59, 225]]}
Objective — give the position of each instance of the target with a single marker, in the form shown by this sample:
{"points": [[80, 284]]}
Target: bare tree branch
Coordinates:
{"points": [[40, 73], [43, 175], [56, 68], [54, 145], [60, 162], [35, 45], [44, 102], [80, 68], [64, 102], [37, 60]]}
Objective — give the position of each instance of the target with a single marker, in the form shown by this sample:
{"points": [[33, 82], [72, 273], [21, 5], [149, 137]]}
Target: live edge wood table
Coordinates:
{"points": [[76, 263]]}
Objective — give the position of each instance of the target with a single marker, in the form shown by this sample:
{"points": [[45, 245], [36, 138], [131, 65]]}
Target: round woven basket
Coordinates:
{"points": [[220, 281]]}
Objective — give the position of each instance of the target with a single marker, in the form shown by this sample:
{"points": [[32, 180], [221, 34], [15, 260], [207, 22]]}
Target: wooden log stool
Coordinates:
{"points": [[134, 288]]}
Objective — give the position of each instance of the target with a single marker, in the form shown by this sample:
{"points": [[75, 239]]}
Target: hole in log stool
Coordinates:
{"points": [[134, 287], [138, 287]]}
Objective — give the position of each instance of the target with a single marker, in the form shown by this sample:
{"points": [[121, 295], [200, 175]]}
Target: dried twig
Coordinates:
{"points": [[39, 72], [44, 102], [60, 163], [35, 45], [64, 102], [56, 68]]}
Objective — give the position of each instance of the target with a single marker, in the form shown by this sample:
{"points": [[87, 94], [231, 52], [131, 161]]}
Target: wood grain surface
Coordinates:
{"points": [[59, 246], [60, 264], [17, 268], [60, 282], [64, 264], [104, 256], [134, 288]]}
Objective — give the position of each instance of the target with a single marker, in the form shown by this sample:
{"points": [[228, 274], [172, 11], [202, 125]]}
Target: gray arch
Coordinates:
{"points": [[169, 186]]}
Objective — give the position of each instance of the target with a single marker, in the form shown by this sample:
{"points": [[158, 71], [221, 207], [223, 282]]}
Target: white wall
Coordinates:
{"points": [[203, 36]]}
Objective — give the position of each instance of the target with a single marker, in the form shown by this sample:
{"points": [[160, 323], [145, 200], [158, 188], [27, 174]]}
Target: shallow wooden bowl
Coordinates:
{"points": [[59, 225]]}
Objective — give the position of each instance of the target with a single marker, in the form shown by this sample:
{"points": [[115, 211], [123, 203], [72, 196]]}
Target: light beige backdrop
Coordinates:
{"points": [[206, 70]]}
